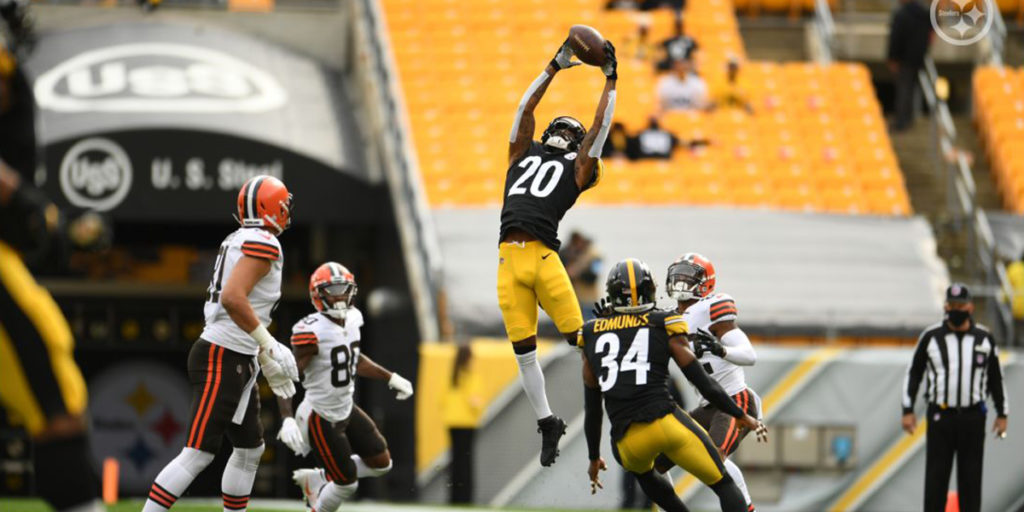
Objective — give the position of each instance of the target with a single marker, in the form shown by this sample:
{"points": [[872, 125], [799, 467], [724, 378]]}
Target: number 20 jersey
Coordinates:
{"points": [[220, 329], [330, 378], [629, 355], [539, 188]]}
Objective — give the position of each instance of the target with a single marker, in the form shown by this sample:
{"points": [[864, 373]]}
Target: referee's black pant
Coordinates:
{"points": [[959, 432]]}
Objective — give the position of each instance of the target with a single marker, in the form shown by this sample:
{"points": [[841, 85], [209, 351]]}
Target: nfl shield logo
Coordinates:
{"points": [[981, 359]]}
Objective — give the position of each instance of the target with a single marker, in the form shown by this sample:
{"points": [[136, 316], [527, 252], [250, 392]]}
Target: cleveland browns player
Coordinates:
{"points": [[722, 348], [625, 361], [222, 365], [326, 348], [543, 181]]}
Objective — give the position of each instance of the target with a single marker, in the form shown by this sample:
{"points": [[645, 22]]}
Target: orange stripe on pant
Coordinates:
{"points": [[213, 397], [325, 452], [744, 400], [202, 401], [733, 431]]}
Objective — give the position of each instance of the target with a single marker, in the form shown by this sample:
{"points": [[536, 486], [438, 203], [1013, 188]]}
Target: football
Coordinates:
{"points": [[588, 44]]}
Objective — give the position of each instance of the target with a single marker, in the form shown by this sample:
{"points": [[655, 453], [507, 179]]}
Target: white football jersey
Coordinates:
{"points": [[330, 378], [714, 308], [219, 328]]}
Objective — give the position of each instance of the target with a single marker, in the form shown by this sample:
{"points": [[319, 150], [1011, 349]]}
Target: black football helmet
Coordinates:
{"points": [[564, 133], [630, 287]]}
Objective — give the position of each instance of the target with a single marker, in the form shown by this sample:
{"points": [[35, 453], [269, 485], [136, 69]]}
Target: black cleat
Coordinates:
{"points": [[551, 429]]}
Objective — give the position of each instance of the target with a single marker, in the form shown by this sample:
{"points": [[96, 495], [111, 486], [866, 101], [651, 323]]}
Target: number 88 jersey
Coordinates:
{"points": [[330, 378], [539, 188], [629, 355]]}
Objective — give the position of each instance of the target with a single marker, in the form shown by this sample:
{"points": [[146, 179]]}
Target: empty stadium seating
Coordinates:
{"points": [[817, 141], [999, 112]]}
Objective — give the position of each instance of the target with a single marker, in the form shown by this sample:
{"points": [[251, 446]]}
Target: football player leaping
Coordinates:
{"points": [[345, 440], [722, 347], [246, 284], [543, 181], [625, 360]]}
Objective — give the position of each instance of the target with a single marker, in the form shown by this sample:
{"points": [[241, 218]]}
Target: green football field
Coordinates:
{"points": [[256, 505]]}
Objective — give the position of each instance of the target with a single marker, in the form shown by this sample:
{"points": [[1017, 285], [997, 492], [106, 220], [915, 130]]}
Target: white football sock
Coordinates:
{"points": [[239, 473], [176, 476], [737, 476], [532, 379], [332, 495]]}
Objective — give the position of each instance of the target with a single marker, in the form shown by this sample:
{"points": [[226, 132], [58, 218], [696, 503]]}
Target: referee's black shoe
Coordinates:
{"points": [[551, 429]]}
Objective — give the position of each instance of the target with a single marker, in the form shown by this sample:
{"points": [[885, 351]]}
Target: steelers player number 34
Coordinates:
{"points": [[634, 361], [543, 178]]}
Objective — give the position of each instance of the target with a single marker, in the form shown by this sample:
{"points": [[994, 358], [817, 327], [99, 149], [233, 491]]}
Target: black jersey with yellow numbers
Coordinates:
{"points": [[539, 188], [629, 355]]}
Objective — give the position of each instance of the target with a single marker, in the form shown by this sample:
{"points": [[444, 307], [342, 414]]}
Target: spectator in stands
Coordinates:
{"points": [[463, 409], [679, 46], [910, 34], [583, 264], [682, 89], [654, 142], [617, 144], [734, 93]]}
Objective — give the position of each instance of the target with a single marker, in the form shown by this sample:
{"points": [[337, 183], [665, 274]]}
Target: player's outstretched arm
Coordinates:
{"points": [[592, 419], [522, 128], [368, 368], [590, 151]]}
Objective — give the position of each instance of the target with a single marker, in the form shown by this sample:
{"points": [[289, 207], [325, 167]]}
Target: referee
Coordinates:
{"points": [[960, 360]]}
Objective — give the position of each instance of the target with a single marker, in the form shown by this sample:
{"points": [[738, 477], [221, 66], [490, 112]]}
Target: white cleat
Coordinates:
{"points": [[311, 481]]}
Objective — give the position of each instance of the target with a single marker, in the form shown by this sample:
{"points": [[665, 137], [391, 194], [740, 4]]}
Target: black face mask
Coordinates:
{"points": [[957, 317]]}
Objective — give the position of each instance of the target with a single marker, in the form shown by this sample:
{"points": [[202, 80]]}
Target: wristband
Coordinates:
{"points": [[263, 337]]}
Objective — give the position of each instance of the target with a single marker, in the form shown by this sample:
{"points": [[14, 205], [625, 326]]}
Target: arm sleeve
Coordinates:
{"points": [[995, 384], [738, 349], [914, 373], [593, 415], [537, 82], [711, 390]]}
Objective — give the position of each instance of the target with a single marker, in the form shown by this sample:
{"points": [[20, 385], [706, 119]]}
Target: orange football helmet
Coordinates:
{"points": [[332, 281], [264, 202], [691, 276]]}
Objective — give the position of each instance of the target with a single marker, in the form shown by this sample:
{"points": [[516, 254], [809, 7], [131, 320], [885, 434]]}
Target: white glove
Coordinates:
{"points": [[291, 436], [402, 387], [280, 383], [284, 357], [563, 57]]}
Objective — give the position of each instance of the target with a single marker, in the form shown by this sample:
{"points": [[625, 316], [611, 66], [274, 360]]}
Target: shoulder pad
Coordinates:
{"points": [[721, 307], [259, 243], [354, 318]]}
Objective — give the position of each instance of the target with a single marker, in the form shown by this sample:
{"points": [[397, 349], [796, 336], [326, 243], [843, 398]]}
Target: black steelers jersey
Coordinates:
{"points": [[629, 355], [539, 188]]}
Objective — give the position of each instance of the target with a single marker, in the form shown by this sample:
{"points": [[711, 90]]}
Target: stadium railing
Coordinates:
{"points": [[984, 264], [376, 78]]}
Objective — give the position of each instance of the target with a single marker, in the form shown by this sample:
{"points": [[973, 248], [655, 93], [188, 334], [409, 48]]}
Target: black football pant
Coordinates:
{"points": [[954, 432]]}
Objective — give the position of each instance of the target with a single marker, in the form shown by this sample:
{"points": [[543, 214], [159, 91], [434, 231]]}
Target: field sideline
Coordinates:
{"points": [[256, 505]]}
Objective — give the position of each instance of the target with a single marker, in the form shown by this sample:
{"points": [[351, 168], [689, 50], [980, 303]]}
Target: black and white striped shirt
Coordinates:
{"points": [[962, 369]]}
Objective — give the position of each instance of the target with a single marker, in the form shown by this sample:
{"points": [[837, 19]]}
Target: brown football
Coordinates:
{"points": [[587, 44]]}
